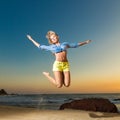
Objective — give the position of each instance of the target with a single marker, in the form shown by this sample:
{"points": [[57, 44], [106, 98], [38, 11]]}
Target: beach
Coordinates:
{"points": [[20, 113]]}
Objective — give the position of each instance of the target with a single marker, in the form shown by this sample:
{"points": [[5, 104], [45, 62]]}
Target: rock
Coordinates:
{"points": [[91, 104], [118, 99], [3, 92]]}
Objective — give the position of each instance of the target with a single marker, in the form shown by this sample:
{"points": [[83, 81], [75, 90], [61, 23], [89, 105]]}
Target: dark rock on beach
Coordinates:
{"points": [[3, 92], [91, 104], [118, 99]]}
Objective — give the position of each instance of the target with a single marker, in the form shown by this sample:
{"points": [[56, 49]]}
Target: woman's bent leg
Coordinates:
{"points": [[67, 78], [58, 80]]}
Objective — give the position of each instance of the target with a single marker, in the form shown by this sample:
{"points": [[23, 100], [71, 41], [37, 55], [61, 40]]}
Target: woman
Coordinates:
{"points": [[61, 66]]}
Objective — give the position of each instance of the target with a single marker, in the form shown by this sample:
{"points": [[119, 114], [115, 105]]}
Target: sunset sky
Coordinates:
{"points": [[95, 68]]}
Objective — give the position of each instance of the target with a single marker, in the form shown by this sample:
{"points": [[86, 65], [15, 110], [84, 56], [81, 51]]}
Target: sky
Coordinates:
{"points": [[95, 68]]}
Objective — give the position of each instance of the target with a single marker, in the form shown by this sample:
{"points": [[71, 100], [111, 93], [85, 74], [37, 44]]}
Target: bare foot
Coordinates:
{"points": [[46, 73]]}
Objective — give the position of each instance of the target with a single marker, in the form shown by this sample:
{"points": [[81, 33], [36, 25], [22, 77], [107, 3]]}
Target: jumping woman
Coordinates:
{"points": [[61, 67]]}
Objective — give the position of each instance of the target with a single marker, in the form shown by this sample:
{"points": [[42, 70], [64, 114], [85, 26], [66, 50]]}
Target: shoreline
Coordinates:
{"points": [[20, 113]]}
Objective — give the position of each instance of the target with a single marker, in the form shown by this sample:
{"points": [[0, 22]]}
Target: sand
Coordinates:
{"points": [[19, 113]]}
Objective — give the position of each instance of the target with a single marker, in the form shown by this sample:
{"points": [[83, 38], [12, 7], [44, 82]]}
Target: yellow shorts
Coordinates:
{"points": [[61, 66]]}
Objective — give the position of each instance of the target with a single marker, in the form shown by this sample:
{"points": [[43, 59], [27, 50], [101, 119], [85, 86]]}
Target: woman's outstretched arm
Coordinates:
{"points": [[33, 41], [83, 43], [74, 45]]}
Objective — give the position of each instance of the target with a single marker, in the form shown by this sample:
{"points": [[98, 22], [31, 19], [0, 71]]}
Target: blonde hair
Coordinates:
{"points": [[49, 33]]}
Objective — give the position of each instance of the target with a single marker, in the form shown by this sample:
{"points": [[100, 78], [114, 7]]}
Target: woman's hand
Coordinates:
{"points": [[88, 41], [29, 37]]}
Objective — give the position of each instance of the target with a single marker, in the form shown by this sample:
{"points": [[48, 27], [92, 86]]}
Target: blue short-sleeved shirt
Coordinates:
{"points": [[56, 49]]}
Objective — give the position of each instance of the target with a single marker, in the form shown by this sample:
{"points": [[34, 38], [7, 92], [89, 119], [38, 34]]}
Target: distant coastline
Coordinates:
{"points": [[3, 92]]}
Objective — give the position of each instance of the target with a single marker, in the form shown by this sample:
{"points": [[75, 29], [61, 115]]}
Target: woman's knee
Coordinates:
{"points": [[59, 85], [66, 85]]}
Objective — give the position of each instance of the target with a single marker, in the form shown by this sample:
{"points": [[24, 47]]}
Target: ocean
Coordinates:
{"points": [[52, 101]]}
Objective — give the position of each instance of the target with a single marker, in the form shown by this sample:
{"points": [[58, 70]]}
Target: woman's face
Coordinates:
{"points": [[54, 38]]}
